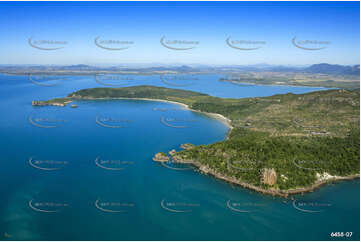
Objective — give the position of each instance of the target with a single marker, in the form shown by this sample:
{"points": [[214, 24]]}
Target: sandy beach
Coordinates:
{"points": [[217, 116]]}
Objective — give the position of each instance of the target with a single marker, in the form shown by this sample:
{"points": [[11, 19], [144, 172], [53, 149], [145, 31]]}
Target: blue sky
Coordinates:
{"points": [[208, 23]]}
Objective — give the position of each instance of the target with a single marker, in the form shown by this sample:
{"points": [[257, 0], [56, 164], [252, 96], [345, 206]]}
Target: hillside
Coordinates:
{"points": [[330, 113], [325, 68]]}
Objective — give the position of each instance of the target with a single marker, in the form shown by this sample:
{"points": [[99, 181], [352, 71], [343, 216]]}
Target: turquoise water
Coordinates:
{"points": [[91, 176]]}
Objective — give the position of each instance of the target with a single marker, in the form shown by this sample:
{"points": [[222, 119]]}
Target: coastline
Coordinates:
{"points": [[273, 192], [239, 83], [217, 116], [280, 85], [208, 171]]}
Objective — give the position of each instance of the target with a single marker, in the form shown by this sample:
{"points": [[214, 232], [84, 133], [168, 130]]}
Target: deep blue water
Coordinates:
{"points": [[97, 182]]}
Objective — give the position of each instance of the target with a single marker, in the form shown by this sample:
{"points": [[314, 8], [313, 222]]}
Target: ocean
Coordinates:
{"points": [[87, 173]]}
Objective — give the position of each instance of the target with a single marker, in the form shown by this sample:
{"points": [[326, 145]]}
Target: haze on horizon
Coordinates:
{"points": [[269, 31]]}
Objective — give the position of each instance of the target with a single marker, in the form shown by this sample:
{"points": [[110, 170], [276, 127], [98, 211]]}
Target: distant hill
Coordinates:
{"points": [[183, 68], [77, 67], [325, 68]]}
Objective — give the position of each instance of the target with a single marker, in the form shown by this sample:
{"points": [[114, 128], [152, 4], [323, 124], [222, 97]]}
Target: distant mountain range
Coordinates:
{"points": [[323, 68]]}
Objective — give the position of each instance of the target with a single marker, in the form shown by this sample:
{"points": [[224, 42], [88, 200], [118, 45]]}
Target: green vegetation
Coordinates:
{"points": [[296, 160], [302, 137], [59, 100], [331, 112], [150, 92], [52, 102]]}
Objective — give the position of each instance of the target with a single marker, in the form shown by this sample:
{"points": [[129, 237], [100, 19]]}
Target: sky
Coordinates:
{"points": [[277, 33]]}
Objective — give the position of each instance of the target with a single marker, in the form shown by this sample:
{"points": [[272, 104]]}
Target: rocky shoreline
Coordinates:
{"points": [[161, 157], [281, 193], [45, 103]]}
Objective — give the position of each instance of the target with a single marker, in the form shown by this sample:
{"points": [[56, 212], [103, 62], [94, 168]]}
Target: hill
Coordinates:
{"points": [[325, 68]]}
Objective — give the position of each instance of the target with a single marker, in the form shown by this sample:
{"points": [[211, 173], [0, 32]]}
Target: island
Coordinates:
{"points": [[62, 102], [278, 145]]}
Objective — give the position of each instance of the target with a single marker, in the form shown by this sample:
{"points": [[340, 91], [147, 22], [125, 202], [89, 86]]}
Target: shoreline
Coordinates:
{"points": [[208, 171], [216, 116], [288, 85], [280, 85], [273, 192]]}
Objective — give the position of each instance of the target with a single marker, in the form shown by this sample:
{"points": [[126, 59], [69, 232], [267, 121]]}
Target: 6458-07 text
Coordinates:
{"points": [[341, 234]]}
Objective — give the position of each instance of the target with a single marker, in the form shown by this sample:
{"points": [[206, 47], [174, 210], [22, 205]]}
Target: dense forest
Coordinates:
{"points": [[296, 160]]}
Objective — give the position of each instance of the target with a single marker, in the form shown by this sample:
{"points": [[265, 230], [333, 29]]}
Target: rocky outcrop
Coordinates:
{"points": [[45, 103], [180, 159], [187, 146], [269, 176], [161, 157], [172, 152]]}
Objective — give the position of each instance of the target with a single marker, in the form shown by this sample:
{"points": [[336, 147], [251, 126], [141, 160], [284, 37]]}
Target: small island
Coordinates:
{"points": [[187, 146], [278, 145], [61, 102]]}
